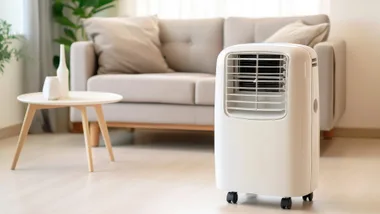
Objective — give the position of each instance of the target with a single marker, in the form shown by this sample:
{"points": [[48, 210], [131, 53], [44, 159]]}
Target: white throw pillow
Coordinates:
{"points": [[300, 33], [126, 45]]}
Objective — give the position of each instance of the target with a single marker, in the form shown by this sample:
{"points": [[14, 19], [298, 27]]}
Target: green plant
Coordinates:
{"points": [[69, 14], [7, 50]]}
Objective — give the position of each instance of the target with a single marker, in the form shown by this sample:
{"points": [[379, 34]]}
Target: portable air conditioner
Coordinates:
{"points": [[267, 121]]}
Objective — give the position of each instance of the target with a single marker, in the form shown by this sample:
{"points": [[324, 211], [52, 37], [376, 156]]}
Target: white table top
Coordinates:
{"points": [[76, 98]]}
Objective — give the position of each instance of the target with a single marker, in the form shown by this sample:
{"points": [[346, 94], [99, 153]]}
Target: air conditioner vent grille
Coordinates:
{"points": [[256, 85]]}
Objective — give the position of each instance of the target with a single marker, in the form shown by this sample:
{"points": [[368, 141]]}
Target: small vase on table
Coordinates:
{"points": [[63, 74]]}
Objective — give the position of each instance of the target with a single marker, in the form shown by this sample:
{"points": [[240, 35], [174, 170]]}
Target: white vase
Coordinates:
{"points": [[63, 73], [52, 88]]}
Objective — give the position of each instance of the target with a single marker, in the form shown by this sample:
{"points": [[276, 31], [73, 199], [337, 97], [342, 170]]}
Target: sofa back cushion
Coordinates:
{"points": [[238, 30], [126, 45], [191, 45]]}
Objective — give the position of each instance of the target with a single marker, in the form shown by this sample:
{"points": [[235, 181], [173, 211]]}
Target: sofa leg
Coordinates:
{"points": [[328, 135], [94, 132], [76, 127]]}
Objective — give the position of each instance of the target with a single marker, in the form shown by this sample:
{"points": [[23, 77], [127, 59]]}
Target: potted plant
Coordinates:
{"points": [[69, 15], [7, 49]]}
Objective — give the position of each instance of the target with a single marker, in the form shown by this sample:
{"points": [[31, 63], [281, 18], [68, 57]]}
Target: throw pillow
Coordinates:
{"points": [[300, 33], [126, 45]]}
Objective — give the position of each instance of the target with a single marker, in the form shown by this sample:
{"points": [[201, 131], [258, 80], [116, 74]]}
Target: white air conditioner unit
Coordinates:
{"points": [[267, 121]]}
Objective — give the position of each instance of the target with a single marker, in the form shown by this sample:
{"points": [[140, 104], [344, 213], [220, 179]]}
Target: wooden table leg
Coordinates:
{"points": [[24, 132], [104, 130], [86, 133]]}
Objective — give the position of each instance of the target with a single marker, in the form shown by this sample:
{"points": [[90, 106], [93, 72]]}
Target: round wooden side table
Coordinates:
{"points": [[77, 99]]}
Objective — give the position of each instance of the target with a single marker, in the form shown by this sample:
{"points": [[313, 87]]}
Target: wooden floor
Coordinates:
{"points": [[165, 173]]}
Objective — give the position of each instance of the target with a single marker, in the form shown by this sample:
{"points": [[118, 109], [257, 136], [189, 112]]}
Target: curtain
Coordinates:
{"points": [[187, 9], [39, 32]]}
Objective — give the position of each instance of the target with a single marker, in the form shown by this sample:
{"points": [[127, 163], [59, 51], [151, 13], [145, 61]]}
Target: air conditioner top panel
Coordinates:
{"points": [[285, 48]]}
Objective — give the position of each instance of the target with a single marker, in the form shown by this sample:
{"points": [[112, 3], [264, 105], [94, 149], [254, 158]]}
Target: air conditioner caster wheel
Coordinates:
{"points": [[286, 203], [308, 197], [232, 197]]}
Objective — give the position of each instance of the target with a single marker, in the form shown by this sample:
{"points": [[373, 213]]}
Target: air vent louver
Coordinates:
{"points": [[256, 85]]}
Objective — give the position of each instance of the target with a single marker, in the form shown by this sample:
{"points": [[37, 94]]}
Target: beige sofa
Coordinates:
{"points": [[185, 99]]}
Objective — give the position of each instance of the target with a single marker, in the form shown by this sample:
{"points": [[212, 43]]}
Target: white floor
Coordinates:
{"points": [[168, 173]]}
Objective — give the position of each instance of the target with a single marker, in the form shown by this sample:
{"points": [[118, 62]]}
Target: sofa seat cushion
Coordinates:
{"points": [[173, 88], [205, 91]]}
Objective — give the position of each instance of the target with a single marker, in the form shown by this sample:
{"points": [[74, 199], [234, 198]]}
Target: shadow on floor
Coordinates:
{"points": [[161, 139]]}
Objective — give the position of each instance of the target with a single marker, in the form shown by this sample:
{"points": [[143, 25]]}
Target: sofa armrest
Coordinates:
{"points": [[82, 64], [332, 79]]}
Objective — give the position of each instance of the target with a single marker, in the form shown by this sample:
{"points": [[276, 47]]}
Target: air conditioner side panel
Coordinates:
{"points": [[315, 131]]}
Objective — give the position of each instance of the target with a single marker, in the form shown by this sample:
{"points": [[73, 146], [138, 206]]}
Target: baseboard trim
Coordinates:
{"points": [[10, 131], [357, 132]]}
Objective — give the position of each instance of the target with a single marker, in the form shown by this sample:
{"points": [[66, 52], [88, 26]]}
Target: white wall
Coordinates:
{"points": [[126, 8], [11, 111], [12, 11], [358, 22]]}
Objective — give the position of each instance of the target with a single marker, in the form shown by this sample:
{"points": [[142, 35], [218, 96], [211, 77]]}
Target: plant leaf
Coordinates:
{"points": [[63, 41], [70, 33], [79, 12], [65, 22], [104, 2], [7, 50], [103, 8], [67, 49], [88, 3], [57, 9], [56, 61]]}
